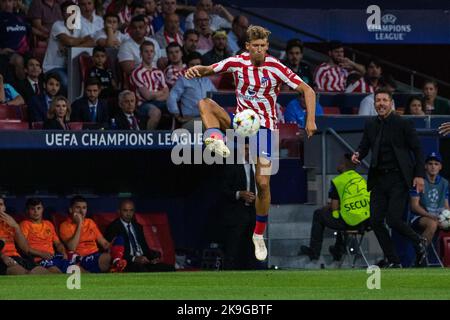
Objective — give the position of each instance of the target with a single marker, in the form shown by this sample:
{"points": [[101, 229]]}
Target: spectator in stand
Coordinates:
{"points": [[219, 16], [129, 55], [58, 114], [331, 76], [33, 84], [434, 104], [367, 105], [238, 34], [220, 50], [102, 73], [11, 263], [150, 87], [201, 22], [89, 20], [39, 105], [168, 7], [427, 205], [43, 13], [190, 42], [122, 8], [294, 57], [176, 66], [44, 244], [415, 106], [170, 32], [139, 256], [9, 95], [61, 38], [185, 95], [296, 111], [90, 108], [110, 35], [138, 9], [83, 238], [150, 13], [371, 80], [14, 34], [128, 118]]}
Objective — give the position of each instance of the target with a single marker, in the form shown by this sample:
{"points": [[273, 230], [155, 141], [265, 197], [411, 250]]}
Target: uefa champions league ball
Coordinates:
{"points": [[444, 219], [246, 123]]}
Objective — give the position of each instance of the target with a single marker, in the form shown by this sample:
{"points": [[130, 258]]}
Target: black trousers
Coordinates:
{"points": [[323, 218], [239, 252], [388, 201]]}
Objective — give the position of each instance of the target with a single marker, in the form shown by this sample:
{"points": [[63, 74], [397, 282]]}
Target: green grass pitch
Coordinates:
{"points": [[432, 283]]}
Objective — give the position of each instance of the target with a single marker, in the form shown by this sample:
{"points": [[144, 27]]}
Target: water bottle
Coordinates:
{"points": [[113, 124]]}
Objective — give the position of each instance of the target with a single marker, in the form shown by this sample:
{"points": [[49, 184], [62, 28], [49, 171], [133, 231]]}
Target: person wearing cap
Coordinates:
{"points": [[220, 50], [427, 206], [349, 209]]}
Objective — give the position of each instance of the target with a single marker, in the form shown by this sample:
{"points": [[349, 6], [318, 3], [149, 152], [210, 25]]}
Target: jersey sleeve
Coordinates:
{"points": [[93, 226], [25, 228], [226, 65], [289, 77], [55, 237], [65, 231]]}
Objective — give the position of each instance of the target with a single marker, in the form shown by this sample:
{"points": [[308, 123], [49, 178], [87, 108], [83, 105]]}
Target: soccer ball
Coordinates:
{"points": [[246, 123], [444, 219]]}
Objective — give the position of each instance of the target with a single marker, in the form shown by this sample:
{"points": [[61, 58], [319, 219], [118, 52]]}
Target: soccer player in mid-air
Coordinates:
{"points": [[258, 78]]}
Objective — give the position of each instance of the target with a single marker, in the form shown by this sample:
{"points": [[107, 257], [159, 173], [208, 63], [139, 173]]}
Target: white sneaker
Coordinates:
{"points": [[260, 247], [217, 146]]}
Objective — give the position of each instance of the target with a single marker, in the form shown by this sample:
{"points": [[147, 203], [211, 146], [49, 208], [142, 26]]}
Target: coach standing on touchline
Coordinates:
{"points": [[393, 171]]}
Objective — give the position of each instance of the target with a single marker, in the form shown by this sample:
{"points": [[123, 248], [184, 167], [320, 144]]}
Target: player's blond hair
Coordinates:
{"points": [[257, 33]]}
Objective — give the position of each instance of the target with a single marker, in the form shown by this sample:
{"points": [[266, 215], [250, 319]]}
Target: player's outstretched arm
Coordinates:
{"points": [[310, 101], [198, 72]]}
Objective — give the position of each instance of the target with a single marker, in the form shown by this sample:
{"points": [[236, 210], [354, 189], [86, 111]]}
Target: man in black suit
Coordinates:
{"points": [[140, 258], [90, 108], [32, 85], [128, 118], [393, 172], [238, 215], [39, 104]]}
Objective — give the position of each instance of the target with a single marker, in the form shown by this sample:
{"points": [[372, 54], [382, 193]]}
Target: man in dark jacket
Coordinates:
{"points": [[90, 108], [140, 258], [393, 171]]}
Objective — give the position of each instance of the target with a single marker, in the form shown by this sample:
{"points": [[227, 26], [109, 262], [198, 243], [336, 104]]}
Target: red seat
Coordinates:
{"points": [[104, 219], [13, 125], [77, 126], [37, 125], [226, 82], [331, 110], [158, 236], [291, 139], [86, 63], [9, 112]]}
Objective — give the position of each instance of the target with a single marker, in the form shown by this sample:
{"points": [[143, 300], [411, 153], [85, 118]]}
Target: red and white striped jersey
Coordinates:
{"points": [[151, 79], [172, 73], [330, 78], [257, 88], [361, 86]]}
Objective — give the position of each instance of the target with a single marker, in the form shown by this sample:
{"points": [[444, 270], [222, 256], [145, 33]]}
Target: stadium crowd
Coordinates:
{"points": [[141, 49]]}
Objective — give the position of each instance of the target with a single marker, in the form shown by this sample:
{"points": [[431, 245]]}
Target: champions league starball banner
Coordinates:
{"points": [[371, 25]]}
